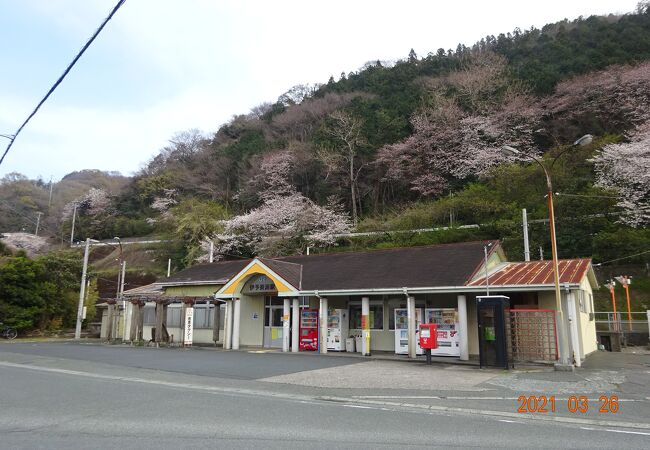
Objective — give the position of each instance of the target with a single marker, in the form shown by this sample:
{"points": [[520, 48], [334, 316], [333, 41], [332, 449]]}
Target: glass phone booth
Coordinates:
{"points": [[493, 313]]}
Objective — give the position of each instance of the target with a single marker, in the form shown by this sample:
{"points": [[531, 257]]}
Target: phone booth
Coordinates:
{"points": [[308, 330], [493, 313]]}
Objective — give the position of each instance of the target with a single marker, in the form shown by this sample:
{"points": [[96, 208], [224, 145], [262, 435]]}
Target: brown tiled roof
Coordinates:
{"points": [[429, 266], [537, 272], [290, 272], [218, 272]]}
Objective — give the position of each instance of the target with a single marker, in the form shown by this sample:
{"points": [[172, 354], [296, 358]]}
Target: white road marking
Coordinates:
{"points": [[615, 431], [508, 421], [343, 401], [435, 397]]}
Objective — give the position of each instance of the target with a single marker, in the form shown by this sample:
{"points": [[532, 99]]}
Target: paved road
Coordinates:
{"points": [[61, 410], [196, 361], [80, 396]]}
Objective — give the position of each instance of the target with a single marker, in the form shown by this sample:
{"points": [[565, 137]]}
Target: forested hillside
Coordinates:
{"points": [[414, 143]]}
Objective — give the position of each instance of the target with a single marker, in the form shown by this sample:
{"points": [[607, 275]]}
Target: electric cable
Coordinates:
{"points": [[12, 138], [624, 257]]}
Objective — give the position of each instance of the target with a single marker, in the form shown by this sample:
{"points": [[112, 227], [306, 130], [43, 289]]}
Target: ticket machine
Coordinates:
{"points": [[308, 330]]}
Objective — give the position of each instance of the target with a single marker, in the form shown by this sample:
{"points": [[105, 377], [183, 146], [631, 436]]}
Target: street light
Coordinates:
{"points": [[584, 140]]}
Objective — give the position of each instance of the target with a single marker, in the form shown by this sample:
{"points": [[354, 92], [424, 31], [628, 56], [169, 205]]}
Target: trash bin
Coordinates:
{"points": [[349, 345], [357, 340]]}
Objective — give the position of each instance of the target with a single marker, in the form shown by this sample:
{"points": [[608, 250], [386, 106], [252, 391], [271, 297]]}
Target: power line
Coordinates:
{"points": [[625, 257], [13, 137]]}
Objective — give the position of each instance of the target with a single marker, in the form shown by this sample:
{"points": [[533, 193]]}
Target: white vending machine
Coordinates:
{"points": [[337, 329], [401, 331], [447, 321]]}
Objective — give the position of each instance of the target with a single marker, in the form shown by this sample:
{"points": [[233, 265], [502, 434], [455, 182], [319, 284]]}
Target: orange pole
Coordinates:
{"points": [[611, 290], [627, 294]]}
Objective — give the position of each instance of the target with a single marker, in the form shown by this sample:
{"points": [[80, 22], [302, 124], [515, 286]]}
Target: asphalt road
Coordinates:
{"points": [[196, 361], [78, 396]]}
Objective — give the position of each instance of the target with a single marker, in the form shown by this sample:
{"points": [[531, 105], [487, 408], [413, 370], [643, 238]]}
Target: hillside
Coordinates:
{"points": [[414, 143]]}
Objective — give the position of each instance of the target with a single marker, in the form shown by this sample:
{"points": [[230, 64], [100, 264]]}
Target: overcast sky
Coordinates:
{"points": [[162, 66]]}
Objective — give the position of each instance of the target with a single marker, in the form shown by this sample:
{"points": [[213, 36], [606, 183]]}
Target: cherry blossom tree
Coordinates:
{"points": [[625, 168], [283, 224]]}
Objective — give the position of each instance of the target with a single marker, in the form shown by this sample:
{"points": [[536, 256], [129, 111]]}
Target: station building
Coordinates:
{"points": [[378, 294]]}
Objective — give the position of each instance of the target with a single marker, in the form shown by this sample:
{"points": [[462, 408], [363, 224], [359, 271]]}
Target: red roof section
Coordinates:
{"points": [[536, 272]]}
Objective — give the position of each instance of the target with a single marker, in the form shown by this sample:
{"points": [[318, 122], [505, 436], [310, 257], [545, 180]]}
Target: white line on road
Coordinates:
{"points": [[615, 431], [343, 401], [444, 397]]}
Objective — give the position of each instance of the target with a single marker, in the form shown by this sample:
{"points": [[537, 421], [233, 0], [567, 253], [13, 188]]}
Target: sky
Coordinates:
{"points": [[165, 66]]}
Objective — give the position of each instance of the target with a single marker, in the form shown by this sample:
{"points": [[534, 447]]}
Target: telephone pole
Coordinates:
{"points": [[74, 216], [82, 291], [38, 222]]}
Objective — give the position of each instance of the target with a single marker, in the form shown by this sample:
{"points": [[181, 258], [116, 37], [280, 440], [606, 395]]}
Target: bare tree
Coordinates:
{"points": [[346, 129]]}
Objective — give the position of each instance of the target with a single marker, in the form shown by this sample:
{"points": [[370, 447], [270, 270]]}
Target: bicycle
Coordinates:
{"points": [[8, 332]]}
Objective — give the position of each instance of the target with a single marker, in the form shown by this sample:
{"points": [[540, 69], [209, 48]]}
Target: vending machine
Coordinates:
{"points": [[401, 331], [447, 321], [337, 329], [308, 330]]}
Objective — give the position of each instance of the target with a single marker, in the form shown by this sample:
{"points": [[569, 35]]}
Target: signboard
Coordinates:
{"points": [[259, 284], [188, 331]]}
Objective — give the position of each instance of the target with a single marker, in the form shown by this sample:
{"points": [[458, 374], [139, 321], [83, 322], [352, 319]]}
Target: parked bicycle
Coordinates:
{"points": [[7, 332]]}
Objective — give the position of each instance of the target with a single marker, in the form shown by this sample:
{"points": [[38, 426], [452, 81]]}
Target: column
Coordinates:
{"points": [[463, 334], [159, 323], [365, 326], [110, 320], [128, 312], [227, 327], [140, 334], [573, 326], [215, 321], [235, 323], [133, 328], [322, 316], [410, 304], [295, 326], [286, 322]]}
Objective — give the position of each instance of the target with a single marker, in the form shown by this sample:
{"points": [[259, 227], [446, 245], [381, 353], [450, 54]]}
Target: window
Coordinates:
{"points": [[149, 312], [376, 316], [583, 301], [173, 317], [203, 316]]}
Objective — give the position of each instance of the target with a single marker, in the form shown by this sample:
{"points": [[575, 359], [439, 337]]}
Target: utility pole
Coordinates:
{"points": [[525, 226], [49, 202], [211, 251], [169, 267], [82, 291], [38, 222], [74, 216], [541, 253]]}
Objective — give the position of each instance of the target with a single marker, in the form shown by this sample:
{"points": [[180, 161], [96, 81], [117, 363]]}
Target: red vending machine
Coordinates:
{"points": [[309, 329]]}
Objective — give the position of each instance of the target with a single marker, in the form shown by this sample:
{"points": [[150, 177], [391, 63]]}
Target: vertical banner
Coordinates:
{"points": [[188, 332]]}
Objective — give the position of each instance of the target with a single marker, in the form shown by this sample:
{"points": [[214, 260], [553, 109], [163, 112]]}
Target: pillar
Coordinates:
{"points": [[322, 316], [159, 322], [227, 327], [110, 321], [286, 322], [140, 335], [572, 317], [216, 317], [365, 326], [128, 312], [133, 329], [235, 323], [410, 305], [295, 326], [463, 334]]}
